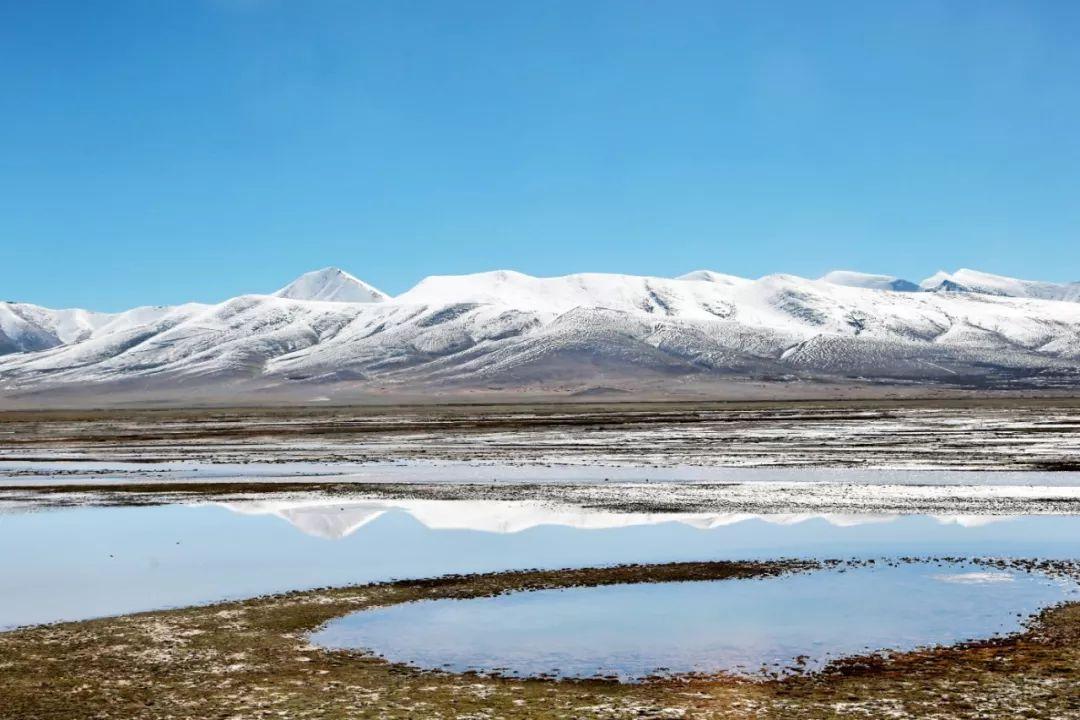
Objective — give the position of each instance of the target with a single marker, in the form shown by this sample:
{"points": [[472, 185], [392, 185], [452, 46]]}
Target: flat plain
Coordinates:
{"points": [[822, 470]]}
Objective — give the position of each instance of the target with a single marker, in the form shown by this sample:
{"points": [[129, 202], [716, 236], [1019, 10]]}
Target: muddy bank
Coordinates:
{"points": [[999, 434], [252, 659]]}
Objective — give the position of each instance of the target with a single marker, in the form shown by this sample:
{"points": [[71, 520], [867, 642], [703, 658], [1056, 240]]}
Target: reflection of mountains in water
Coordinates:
{"points": [[334, 520]]}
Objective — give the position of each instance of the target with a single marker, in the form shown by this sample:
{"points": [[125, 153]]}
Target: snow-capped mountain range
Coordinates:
{"points": [[506, 331]]}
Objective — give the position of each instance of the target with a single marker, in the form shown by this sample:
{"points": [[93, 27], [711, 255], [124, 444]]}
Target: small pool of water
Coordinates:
{"points": [[793, 623]]}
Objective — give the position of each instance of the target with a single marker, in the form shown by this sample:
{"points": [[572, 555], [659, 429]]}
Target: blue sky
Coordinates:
{"points": [[156, 151]]}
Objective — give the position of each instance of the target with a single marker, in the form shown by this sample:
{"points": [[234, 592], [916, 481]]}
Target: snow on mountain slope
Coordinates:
{"points": [[509, 330], [555, 295], [233, 339], [29, 328], [849, 278], [25, 327], [331, 285], [715, 277], [965, 280]]}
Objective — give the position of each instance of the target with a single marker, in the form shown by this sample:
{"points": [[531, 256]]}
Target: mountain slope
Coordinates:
{"points": [[973, 281], [714, 277], [27, 328], [31, 328], [510, 331]]}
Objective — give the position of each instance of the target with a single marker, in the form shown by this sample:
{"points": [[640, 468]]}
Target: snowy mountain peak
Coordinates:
{"points": [[975, 281], [965, 280], [935, 281], [850, 278], [713, 277], [331, 284]]}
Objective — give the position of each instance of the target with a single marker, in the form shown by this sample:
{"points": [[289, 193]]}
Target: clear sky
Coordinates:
{"points": [[156, 151]]}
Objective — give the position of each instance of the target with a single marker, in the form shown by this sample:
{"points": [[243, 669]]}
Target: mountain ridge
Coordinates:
{"points": [[511, 331]]}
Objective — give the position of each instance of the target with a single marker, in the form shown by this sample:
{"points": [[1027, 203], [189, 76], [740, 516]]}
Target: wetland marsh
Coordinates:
{"points": [[746, 562]]}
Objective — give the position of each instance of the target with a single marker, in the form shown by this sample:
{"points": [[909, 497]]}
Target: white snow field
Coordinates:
{"points": [[507, 330]]}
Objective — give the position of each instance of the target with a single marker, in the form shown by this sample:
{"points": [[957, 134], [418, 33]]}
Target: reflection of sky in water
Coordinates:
{"points": [[86, 562], [733, 625]]}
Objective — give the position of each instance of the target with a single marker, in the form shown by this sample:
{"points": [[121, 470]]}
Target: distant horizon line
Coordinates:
{"points": [[921, 285]]}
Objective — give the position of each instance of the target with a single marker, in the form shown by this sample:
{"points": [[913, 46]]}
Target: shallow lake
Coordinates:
{"points": [[88, 562], [794, 622]]}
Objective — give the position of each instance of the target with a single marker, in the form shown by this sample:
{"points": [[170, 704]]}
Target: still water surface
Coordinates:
{"points": [[795, 622], [89, 562]]}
